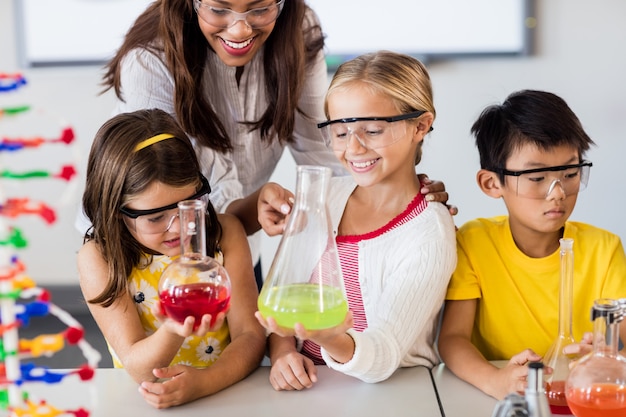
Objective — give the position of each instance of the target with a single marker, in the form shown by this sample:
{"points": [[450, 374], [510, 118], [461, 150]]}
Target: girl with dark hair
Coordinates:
{"points": [[140, 165]]}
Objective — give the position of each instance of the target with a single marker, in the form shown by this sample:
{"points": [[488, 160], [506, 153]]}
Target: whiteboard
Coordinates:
{"points": [[69, 32], [66, 32], [425, 28]]}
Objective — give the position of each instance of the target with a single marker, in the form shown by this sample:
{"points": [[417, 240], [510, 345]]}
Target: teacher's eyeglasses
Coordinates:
{"points": [[225, 18]]}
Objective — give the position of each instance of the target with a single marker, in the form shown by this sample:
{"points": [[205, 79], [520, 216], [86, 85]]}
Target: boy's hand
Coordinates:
{"points": [[512, 377], [578, 350], [273, 205]]}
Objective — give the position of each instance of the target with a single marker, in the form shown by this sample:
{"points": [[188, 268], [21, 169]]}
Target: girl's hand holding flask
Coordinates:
{"points": [[189, 326]]}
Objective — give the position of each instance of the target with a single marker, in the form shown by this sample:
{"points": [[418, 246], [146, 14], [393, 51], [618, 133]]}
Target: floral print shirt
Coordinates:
{"points": [[195, 351]]}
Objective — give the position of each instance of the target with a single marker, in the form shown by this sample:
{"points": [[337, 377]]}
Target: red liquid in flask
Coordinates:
{"points": [[601, 400], [555, 391], [195, 300]]}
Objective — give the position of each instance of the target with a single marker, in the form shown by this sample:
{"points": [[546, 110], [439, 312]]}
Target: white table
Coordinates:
{"points": [[409, 392], [458, 398]]}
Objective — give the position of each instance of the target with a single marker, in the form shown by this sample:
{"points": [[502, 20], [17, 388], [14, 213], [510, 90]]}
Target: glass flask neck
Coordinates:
{"points": [[555, 358], [192, 229], [566, 287], [606, 315], [312, 186]]}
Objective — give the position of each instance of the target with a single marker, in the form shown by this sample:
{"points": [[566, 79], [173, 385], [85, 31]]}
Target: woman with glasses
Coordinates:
{"points": [[396, 249], [140, 166], [244, 79], [503, 298]]}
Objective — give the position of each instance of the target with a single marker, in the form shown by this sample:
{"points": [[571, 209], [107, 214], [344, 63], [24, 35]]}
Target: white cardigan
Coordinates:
{"points": [[403, 274]]}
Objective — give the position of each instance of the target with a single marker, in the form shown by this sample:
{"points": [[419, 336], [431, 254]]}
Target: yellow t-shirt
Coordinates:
{"points": [[518, 296], [195, 351]]}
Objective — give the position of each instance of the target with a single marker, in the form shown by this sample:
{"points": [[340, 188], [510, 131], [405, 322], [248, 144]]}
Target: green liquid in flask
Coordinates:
{"points": [[315, 306]]}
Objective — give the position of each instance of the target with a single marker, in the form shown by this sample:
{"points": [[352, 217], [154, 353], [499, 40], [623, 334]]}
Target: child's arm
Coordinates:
{"points": [[462, 357], [248, 339], [247, 346], [120, 322]]}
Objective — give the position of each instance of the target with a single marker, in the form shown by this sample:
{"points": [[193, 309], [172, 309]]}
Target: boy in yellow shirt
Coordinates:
{"points": [[502, 300]]}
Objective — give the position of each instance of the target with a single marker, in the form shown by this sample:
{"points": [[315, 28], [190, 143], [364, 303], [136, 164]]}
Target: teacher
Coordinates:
{"points": [[244, 78]]}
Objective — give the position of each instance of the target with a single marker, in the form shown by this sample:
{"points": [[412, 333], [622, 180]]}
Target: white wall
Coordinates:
{"points": [[579, 55]]}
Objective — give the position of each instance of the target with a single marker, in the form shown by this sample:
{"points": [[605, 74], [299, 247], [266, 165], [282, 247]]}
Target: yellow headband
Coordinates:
{"points": [[152, 141]]}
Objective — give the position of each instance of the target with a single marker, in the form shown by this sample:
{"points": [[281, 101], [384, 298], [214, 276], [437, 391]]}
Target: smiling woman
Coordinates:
{"points": [[243, 78]]}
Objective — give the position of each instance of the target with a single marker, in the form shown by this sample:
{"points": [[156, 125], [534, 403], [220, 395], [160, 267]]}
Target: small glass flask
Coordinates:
{"points": [[555, 358], [194, 284], [304, 283], [596, 386]]}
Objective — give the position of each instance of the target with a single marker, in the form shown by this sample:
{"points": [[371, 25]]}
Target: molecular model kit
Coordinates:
{"points": [[21, 300]]}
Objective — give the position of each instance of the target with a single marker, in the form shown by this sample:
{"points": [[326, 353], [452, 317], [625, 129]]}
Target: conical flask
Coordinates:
{"points": [[194, 284], [596, 386], [555, 358], [304, 283]]}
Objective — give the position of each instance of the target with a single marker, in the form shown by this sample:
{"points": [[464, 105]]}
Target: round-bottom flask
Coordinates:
{"points": [[304, 284], [596, 386], [193, 284]]}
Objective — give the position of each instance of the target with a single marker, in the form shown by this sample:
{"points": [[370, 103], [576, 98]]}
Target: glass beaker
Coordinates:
{"points": [[304, 283], [596, 386], [194, 284], [555, 358]]}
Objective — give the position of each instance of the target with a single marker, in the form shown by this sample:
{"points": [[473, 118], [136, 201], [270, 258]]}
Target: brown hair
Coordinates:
{"points": [[116, 173], [170, 28]]}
